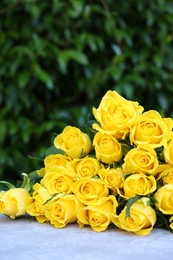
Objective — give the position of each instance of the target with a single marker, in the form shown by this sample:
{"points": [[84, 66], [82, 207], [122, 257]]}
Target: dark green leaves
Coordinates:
{"points": [[60, 57]]}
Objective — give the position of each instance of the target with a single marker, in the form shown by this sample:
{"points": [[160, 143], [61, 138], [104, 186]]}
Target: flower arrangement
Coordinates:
{"points": [[119, 173]]}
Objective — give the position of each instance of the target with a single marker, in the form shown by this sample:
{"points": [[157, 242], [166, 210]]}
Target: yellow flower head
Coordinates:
{"points": [[107, 148], [150, 128], [14, 202], [62, 210], [141, 220], [73, 142], [116, 115], [89, 190], [98, 215], [142, 159]]}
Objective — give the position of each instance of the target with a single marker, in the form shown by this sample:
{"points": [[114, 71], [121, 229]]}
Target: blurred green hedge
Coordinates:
{"points": [[58, 58]]}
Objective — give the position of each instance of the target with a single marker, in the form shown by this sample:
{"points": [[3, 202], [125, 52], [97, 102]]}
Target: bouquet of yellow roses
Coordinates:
{"points": [[119, 173]]}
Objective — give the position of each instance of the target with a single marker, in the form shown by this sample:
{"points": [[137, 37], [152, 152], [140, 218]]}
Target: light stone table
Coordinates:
{"points": [[26, 239]]}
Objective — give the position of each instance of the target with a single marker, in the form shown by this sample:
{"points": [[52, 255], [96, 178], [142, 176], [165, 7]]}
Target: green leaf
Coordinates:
{"points": [[26, 182], [116, 49], [53, 150], [23, 79], [159, 183], [35, 158], [125, 148], [47, 201], [159, 149], [151, 200], [66, 56], [3, 129], [34, 177], [8, 185], [162, 221], [130, 203], [43, 76], [23, 50]]}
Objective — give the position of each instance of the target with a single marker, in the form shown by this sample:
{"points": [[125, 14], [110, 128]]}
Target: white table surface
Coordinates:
{"points": [[25, 238]]}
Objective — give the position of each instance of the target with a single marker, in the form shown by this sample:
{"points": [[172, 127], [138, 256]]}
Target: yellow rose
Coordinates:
{"points": [[141, 220], [168, 150], [164, 198], [14, 202], [113, 178], [62, 210], [73, 142], [139, 184], [116, 115], [55, 160], [59, 180], [98, 216], [166, 176], [86, 167], [142, 159], [151, 128], [107, 148], [37, 207], [89, 190]]}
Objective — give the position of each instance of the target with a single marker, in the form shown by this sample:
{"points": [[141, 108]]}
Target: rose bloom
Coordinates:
{"points": [[168, 150], [139, 184], [166, 176], [37, 207], [85, 167], [73, 142], [98, 216], [54, 160], [164, 198], [59, 180], [116, 115], [142, 159], [141, 220], [14, 202], [62, 210], [89, 190], [151, 128], [113, 178], [107, 148]]}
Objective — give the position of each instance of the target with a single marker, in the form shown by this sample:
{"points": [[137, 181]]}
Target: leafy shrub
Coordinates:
{"points": [[58, 58]]}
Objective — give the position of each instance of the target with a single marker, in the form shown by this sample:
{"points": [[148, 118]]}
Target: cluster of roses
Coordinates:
{"points": [[122, 176]]}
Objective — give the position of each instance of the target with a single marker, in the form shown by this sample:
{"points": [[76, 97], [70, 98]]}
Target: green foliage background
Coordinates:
{"points": [[58, 58]]}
